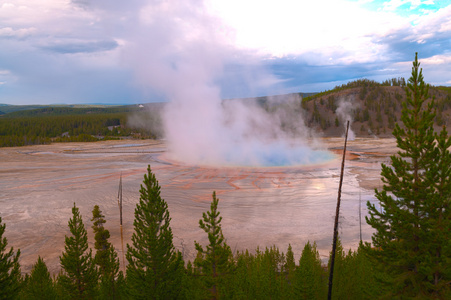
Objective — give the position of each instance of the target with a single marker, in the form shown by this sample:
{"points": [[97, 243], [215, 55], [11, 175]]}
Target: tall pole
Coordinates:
{"points": [[360, 214], [337, 215], [120, 199], [119, 202]]}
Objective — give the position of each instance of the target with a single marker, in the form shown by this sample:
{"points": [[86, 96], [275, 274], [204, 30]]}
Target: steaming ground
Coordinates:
{"points": [[269, 154], [261, 206]]}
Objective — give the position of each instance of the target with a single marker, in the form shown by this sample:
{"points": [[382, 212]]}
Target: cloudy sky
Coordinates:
{"points": [[123, 52]]}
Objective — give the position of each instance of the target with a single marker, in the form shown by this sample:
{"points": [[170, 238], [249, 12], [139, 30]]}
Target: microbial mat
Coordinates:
{"points": [[260, 206]]}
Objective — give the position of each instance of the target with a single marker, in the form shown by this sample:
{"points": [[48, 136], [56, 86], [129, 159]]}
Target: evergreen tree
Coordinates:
{"points": [[105, 258], [310, 280], [289, 269], [267, 267], [39, 285], [192, 283], [10, 279], [155, 268], [262, 275], [439, 220], [361, 276], [339, 288], [79, 275], [290, 265], [215, 260], [412, 238], [101, 236], [354, 277], [242, 279]]}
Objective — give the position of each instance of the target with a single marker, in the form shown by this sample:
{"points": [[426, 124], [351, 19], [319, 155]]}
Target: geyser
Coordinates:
{"points": [[242, 133], [345, 112], [186, 65]]}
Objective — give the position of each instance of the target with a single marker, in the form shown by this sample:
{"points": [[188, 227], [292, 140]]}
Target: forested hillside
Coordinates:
{"points": [[67, 124], [71, 110], [373, 107]]}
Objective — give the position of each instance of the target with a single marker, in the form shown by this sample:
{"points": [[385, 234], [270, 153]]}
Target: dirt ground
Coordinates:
{"points": [[260, 207]]}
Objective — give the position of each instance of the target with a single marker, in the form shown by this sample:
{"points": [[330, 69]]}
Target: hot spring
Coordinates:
{"points": [[274, 154], [260, 206], [245, 133]]}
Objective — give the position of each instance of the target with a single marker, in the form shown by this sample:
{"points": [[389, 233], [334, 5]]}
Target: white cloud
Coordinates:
{"points": [[340, 29], [393, 5], [281, 28], [435, 68], [6, 76], [19, 33], [47, 18], [429, 26], [82, 37], [437, 60]]}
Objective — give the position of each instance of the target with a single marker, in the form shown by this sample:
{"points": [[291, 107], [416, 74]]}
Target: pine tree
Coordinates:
{"points": [[412, 238], [105, 258], [340, 280], [289, 269], [215, 260], [439, 220], [101, 236], [154, 268], [10, 278], [310, 279], [39, 285], [361, 276], [268, 266], [192, 283], [290, 265], [241, 280], [79, 275]]}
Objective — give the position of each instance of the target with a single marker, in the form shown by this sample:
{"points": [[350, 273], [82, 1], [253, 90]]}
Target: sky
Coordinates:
{"points": [[136, 51]]}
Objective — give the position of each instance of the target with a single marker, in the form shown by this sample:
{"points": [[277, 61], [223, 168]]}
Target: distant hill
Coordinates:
{"points": [[374, 107], [274, 98], [68, 123], [14, 111], [6, 108], [27, 110]]}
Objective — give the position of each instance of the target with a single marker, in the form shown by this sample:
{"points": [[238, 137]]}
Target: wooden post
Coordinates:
{"points": [[337, 215], [119, 202], [360, 214]]}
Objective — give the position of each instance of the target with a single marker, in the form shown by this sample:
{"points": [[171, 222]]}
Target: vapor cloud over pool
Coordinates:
{"points": [[188, 69]]}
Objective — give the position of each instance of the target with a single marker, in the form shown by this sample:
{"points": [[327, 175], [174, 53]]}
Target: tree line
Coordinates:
{"points": [[44, 129], [377, 106], [409, 255], [377, 109]]}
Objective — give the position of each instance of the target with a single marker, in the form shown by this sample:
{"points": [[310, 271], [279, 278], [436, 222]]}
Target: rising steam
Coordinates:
{"points": [[179, 53], [239, 133], [345, 113]]}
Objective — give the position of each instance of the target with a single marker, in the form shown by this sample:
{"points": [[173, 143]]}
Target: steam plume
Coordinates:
{"points": [[240, 133], [178, 53], [345, 113]]}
